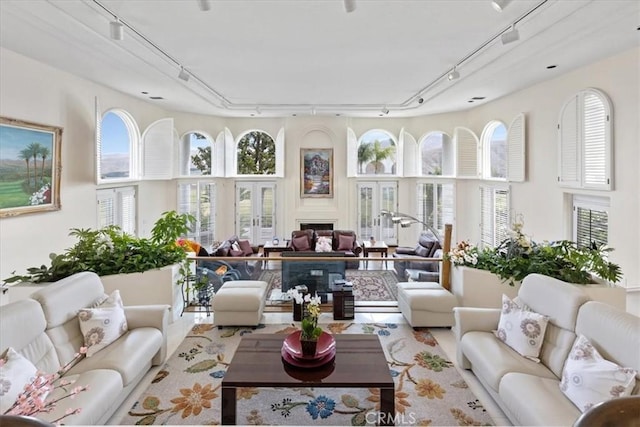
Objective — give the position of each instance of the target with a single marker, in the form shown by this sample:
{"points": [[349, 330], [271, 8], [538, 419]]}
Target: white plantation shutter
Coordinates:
{"points": [[595, 135], [569, 152], [117, 206], [494, 215], [411, 158], [231, 154], [199, 199], [466, 143], [218, 161], [280, 153], [585, 143], [106, 208], [400, 154], [98, 141], [435, 204], [352, 153], [516, 149], [158, 143]]}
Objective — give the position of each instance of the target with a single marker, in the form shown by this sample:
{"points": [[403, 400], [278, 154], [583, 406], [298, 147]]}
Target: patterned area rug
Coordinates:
{"points": [[429, 390], [368, 285]]}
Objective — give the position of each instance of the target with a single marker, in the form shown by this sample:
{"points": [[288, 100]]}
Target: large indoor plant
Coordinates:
{"points": [[518, 255], [109, 250]]}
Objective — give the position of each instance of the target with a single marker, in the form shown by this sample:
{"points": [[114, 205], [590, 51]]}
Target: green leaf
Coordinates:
{"points": [[205, 365], [350, 401], [151, 403]]}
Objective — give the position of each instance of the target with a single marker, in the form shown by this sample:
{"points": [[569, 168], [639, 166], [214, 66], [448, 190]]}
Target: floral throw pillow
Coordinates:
{"points": [[323, 244], [16, 371], [521, 329], [588, 378], [104, 324]]}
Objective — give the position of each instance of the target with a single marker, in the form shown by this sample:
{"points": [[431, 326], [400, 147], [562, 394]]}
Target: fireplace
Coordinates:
{"points": [[316, 225]]}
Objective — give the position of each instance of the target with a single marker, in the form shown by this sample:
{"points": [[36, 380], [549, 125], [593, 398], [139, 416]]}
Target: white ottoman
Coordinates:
{"points": [[239, 303], [426, 304]]}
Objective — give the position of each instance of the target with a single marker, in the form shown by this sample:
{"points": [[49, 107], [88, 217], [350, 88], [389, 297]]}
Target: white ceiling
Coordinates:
{"points": [[284, 57]]}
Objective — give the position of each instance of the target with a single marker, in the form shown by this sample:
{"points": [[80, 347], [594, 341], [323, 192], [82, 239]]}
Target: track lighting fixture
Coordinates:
{"points": [[385, 111], [499, 5], [183, 74], [204, 5], [349, 5], [258, 110], [454, 74], [313, 111], [116, 29], [510, 36]]}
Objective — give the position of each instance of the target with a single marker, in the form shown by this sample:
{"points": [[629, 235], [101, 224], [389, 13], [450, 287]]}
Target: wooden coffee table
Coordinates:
{"points": [[377, 247], [360, 363]]}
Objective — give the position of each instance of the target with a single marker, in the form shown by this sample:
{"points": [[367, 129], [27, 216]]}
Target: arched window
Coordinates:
{"points": [[196, 154], [377, 153], [117, 147], [436, 155], [256, 154], [494, 149]]}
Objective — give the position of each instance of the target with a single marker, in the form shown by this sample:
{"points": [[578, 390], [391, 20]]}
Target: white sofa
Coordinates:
{"points": [[529, 392], [45, 330]]}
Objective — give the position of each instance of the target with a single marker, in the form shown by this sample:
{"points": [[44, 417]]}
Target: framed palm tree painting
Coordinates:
{"points": [[29, 167], [316, 172]]}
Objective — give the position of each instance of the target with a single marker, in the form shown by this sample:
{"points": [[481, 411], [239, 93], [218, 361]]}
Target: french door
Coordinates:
{"points": [[256, 211], [372, 198], [198, 198]]}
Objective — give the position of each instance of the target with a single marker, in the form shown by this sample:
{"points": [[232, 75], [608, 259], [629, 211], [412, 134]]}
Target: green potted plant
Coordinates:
{"points": [[145, 270], [518, 256]]}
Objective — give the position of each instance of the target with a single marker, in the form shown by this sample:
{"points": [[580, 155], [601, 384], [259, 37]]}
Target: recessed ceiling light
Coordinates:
{"points": [[549, 67], [478, 98], [156, 97], [470, 101], [145, 92]]}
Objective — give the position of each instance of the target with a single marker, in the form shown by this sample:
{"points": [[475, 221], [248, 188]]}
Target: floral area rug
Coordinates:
{"points": [[429, 391], [369, 285]]}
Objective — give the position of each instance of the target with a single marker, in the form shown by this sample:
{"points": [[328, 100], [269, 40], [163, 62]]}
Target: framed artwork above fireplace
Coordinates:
{"points": [[316, 172]]}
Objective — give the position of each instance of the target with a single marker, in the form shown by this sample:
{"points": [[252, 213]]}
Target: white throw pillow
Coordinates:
{"points": [[16, 372], [588, 378], [323, 244], [521, 329], [104, 324]]}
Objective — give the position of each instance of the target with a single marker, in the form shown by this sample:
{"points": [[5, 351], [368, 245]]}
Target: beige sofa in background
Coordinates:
{"points": [[529, 392], [45, 329]]}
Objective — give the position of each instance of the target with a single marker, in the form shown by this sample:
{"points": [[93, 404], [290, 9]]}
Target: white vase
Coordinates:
{"points": [[480, 288]]}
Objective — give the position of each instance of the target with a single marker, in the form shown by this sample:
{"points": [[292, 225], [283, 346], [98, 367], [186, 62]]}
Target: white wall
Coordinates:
{"points": [[35, 92]]}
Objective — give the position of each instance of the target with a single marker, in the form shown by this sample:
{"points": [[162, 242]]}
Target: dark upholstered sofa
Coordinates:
{"points": [[236, 249], [344, 241], [409, 261]]}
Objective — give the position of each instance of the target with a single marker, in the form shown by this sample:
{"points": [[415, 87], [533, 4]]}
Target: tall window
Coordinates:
{"points": [[590, 221], [377, 153], [494, 215], [117, 147], [117, 206], [436, 154], [436, 204], [199, 199], [584, 133], [494, 150], [196, 155], [256, 151]]}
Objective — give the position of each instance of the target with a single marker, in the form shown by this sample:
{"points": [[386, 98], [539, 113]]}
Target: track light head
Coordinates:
{"points": [[454, 74], [183, 74], [510, 36], [116, 30], [385, 111], [349, 5], [204, 5], [499, 5]]}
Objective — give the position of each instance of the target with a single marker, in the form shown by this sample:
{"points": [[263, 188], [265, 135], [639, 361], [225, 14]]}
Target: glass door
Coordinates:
{"points": [[372, 198], [255, 211]]}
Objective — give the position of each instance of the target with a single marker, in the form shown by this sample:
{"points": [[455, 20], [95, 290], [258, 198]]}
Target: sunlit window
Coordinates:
{"points": [[117, 147], [256, 151], [377, 153], [494, 146]]}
